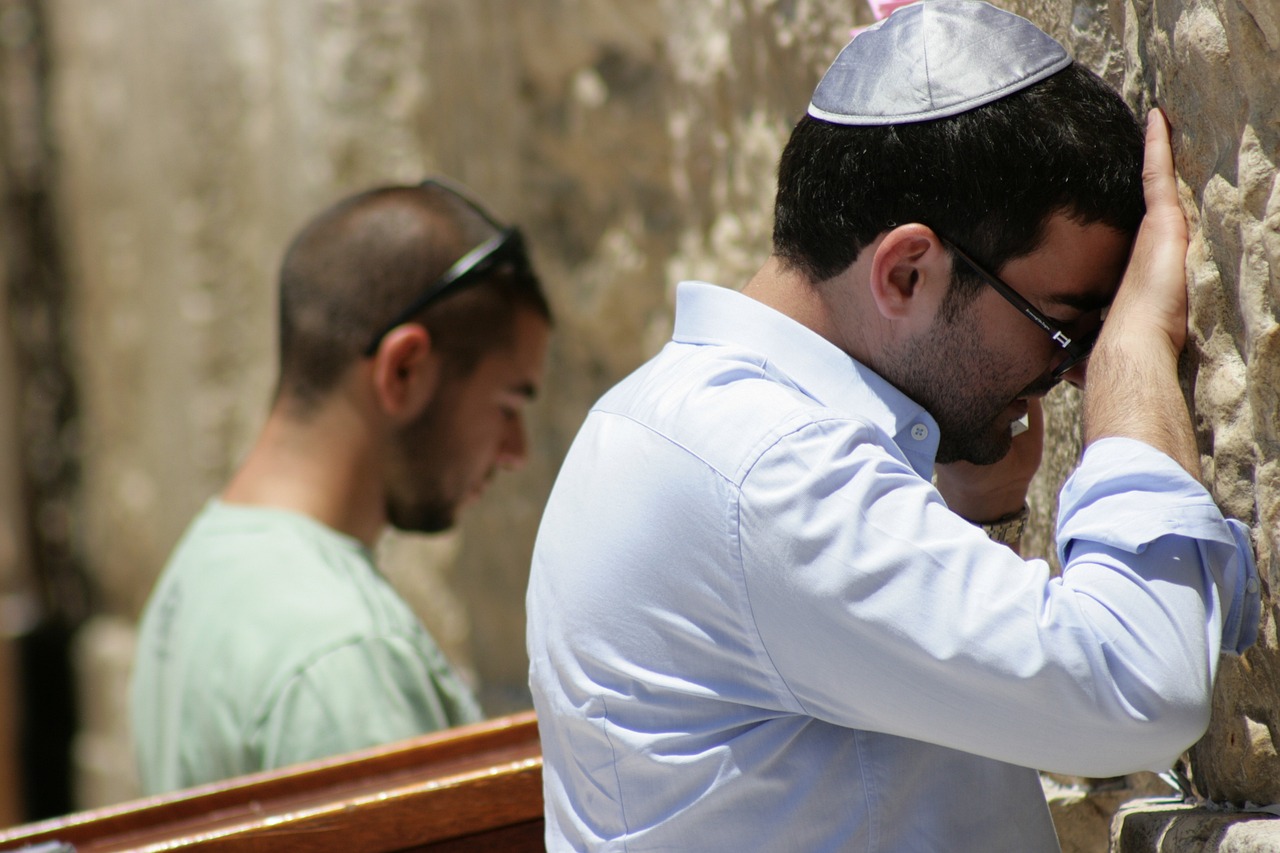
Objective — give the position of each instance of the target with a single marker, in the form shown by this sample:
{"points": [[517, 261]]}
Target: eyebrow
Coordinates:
{"points": [[1083, 302], [525, 389]]}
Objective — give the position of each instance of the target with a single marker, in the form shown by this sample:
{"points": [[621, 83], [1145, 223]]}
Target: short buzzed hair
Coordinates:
{"points": [[355, 266]]}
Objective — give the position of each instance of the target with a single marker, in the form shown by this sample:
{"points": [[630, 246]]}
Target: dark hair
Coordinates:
{"points": [[360, 262], [989, 179]]}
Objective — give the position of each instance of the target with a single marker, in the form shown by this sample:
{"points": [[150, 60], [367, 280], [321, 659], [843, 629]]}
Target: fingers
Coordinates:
{"points": [[1035, 412], [1153, 295], [1158, 183], [1028, 445], [1158, 161]]}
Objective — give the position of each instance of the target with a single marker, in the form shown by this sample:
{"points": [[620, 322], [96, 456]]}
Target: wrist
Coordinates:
{"points": [[981, 503], [1134, 392], [1007, 528], [1136, 339]]}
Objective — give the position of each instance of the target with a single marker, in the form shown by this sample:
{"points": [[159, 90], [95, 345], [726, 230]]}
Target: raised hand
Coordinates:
{"points": [[1132, 387], [983, 493]]}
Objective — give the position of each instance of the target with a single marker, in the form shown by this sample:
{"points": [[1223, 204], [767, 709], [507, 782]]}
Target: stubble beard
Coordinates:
{"points": [[953, 379], [418, 504], [420, 517]]}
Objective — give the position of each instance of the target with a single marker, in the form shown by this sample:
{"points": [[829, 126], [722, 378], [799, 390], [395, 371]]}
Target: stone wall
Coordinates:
{"points": [[636, 143], [1215, 69]]}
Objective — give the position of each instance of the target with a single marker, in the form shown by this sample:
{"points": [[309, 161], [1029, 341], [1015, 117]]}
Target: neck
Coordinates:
{"points": [[322, 466], [829, 308]]}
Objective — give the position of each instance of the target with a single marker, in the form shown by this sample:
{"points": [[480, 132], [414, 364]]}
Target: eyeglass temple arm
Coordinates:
{"points": [[1058, 335]]}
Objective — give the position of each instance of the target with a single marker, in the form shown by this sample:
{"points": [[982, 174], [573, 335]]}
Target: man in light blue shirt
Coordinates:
{"points": [[766, 610]]}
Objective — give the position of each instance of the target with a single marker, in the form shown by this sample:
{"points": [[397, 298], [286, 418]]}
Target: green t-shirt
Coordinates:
{"points": [[271, 639]]}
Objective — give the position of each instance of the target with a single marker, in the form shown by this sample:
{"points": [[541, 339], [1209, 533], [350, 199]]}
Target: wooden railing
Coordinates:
{"points": [[475, 788]]}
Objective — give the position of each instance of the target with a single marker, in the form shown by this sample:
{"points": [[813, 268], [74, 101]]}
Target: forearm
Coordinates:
{"points": [[1133, 392], [1127, 495]]}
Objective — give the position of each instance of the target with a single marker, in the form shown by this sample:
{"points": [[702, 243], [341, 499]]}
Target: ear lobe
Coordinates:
{"points": [[903, 265], [406, 371]]}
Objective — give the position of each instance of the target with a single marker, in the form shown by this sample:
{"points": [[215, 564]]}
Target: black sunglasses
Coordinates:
{"points": [[1077, 348], [505, 248]]}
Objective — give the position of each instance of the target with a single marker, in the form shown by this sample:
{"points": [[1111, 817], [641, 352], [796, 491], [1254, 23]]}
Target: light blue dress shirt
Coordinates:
{"points": [[755, 625]]}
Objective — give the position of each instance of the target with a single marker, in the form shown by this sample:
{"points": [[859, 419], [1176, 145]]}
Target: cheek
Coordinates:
{"points": [[485, 439], [1018, 352]]}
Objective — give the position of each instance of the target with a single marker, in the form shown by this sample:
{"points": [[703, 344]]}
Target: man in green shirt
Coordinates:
{"points": [[413, 332]]}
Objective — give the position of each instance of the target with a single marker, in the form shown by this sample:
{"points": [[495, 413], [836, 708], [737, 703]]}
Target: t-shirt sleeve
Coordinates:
{"points": [[363, 693]]}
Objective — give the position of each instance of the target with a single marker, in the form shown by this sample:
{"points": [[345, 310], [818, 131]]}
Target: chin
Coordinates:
{"points": [[987, 450], [423, 519]]}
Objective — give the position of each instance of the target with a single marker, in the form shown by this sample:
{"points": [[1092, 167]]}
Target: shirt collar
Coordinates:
{"points": [[799, 356]]}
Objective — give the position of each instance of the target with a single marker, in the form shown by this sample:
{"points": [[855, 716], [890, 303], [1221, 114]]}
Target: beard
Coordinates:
{"points": [[421, 516], [417, 500], [959, 384]]}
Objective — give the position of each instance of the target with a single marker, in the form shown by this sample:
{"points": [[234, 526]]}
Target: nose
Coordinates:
{"points": [[513, 451]]}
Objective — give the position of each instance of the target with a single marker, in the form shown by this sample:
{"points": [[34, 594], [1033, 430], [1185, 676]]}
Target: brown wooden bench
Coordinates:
{"points": [[475, 788]]}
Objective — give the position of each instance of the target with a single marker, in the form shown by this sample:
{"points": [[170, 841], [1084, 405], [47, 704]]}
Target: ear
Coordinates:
{"points": [[406, 371], [910, 272]]}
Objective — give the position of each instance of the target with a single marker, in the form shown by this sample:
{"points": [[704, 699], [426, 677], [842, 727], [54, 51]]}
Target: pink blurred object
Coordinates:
{"points": [[882, 9]]}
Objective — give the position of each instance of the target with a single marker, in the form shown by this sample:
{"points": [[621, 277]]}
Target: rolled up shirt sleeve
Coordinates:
{"points": [[930, 631], [1156, 498]]}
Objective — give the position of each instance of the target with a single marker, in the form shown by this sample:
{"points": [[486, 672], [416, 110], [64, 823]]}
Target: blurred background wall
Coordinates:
{"points": [[155, 156]]}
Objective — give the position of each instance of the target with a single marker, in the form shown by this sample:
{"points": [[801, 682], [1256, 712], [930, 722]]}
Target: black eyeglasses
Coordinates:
{"points": [[1077, 348], [506, 247]]}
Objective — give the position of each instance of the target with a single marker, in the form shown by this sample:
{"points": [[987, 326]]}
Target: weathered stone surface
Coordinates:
{"points": [[1083, 810], [1216, 71], [1161, 826], [1214, 68]]}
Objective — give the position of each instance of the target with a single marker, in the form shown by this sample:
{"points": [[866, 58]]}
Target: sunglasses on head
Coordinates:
{"points": [[505, 248]]}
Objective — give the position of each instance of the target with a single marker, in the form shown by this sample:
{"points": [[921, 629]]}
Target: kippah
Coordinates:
{"points": [[933, 59]]}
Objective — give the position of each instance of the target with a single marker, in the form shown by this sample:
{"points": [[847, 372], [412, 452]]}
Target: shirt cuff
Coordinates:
{"points": [[1126, 494], [1240, 628]]}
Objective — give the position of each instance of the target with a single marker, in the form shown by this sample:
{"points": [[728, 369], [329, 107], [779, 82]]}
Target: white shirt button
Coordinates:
{"points": [[919, 432]]}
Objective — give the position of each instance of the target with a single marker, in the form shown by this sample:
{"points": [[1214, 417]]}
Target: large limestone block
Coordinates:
{"points": [[1213, 67], [1218, 72], [1164, 826]]}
